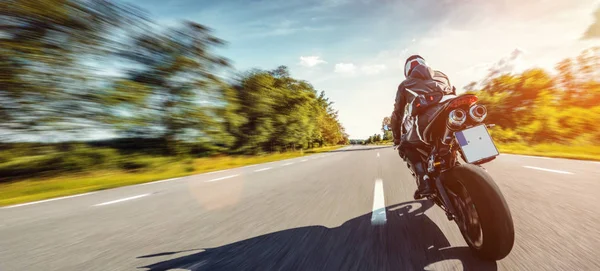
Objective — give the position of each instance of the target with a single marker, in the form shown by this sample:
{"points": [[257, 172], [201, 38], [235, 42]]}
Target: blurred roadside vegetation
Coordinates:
{"points": [[540, 112], [96, 86]]}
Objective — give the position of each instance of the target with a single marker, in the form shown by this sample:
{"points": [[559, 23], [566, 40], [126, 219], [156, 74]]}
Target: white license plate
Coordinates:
{"points": [[476, 144]]}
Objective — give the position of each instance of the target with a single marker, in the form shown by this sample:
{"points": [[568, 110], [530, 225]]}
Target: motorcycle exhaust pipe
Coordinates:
{"points": [[478, 112], [456, 119]]}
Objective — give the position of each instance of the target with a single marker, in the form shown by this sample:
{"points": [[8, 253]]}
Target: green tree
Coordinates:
{"points": [[177, 68], [45, 81]]}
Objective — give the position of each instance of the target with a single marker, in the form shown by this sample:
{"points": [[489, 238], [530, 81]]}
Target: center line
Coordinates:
{"points": [[549, 170], [377, 154], [287, 164], [222, 178], [262, 169], [378, 217], [120, 200]]}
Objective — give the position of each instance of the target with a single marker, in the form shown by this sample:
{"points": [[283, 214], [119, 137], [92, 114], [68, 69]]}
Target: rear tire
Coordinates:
{"points": [[497, 236]]}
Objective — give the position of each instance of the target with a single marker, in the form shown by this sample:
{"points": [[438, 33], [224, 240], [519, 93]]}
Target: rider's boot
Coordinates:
{"points": [[423, 182]]}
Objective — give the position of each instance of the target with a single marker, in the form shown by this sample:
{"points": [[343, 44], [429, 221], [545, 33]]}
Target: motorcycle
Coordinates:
{"points": [[455, 144]]}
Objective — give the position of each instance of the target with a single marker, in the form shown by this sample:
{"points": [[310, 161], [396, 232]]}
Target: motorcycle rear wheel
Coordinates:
{"points": [[482, 213]]}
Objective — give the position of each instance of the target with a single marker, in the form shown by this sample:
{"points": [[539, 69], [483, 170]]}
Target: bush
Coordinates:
{"points": [[135, 163], [78, 159], [5, 156], [504, 135]]}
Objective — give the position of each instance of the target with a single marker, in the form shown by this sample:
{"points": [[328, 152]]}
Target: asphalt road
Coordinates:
{"points": [[310, 213]]}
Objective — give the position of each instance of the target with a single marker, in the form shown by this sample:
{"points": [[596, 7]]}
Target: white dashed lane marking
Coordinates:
{"points": [[223, 178], [378, 216], [262, 169], [121, 200], [549, 170]]}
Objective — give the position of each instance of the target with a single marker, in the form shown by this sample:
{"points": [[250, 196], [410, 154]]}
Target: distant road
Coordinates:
{"points": [[349, 209]]}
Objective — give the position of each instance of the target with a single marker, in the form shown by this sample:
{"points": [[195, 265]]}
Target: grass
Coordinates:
{"points": [[35, 189], [552, 150]]}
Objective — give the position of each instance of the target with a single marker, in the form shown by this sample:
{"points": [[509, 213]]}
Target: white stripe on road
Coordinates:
{"points": [[121, 200], [304, 160], [378, 217], [549, 170], [262, 169], [47, 200], [377, 154], [287, 164], [222, 178], [167, 180]]}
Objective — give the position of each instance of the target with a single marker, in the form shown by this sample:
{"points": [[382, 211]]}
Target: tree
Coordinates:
{"points": [[281, 112], [385, 123], [178, 69], [45, 84]]}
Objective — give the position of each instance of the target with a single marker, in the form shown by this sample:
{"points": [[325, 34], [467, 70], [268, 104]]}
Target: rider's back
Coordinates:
{"points": [[423, 80]]}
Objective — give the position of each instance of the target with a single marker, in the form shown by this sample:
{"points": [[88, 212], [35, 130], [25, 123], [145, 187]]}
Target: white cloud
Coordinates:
{"points": [[311, 61], [373, 69], [351, 68], [345, 68]]}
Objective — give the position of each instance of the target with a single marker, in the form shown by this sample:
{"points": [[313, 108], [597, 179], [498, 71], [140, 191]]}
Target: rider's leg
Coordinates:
{"points": [[418, 167]]}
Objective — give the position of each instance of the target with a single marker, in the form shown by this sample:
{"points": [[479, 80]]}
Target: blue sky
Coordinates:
{"points": [[354, 50]]}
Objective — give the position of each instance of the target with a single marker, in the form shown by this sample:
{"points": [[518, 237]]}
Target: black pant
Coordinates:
{"points": [[414, 160]]}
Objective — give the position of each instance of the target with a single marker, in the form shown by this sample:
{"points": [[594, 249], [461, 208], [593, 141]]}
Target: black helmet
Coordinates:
{"points": [[412, 62]]}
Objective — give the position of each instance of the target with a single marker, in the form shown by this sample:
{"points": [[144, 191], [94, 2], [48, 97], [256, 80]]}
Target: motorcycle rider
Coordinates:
{"points": [[420, 79]]}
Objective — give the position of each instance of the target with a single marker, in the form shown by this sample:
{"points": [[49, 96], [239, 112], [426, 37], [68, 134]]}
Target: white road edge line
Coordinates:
{"points": [[161, 181], [263, 169], [549, 170], [47, 200], [378, 216], [287, 164], [121, 200], [222, 178]]}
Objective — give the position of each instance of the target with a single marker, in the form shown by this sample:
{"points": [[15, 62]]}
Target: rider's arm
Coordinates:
{"points": [[398, 113]]}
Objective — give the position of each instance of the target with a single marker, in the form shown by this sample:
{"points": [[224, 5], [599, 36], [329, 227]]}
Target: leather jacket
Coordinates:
{"points": [[422, 80]]}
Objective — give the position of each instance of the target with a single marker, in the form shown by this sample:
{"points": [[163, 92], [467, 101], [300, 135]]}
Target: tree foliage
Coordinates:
{"points": [[45, 83], [538, 107], [281, 113], [168, 85]]}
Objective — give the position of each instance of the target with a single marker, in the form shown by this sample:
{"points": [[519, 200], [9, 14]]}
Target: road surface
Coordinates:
{"points": [[350, 209]]}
